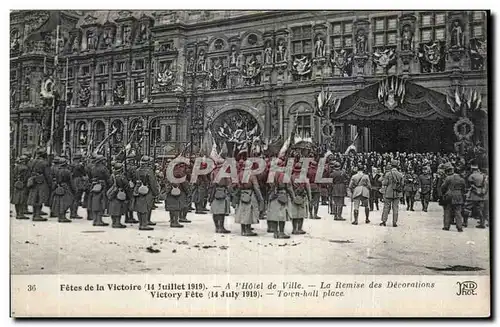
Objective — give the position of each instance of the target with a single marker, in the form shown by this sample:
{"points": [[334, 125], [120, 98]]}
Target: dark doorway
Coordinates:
{"points": [[412, 136]]}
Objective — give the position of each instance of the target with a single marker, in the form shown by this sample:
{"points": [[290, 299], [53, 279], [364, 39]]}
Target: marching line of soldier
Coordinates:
{"points": [[135, 187]]}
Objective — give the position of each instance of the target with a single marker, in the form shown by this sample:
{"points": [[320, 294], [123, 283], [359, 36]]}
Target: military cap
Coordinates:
{"points": [[117, 166], [23, 158], [41, 151], [145, 159], [336, 165], [394, 163], [474, 166]]}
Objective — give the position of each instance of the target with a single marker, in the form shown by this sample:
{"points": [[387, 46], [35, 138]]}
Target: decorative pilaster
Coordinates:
{"points": [[407, 47]]}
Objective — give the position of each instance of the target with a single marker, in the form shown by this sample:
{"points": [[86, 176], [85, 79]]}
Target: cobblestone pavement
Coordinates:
{"points": [[415, 247]]}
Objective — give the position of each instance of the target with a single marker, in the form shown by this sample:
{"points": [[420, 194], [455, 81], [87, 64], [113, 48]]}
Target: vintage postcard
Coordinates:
{"points": [[249, 163]]}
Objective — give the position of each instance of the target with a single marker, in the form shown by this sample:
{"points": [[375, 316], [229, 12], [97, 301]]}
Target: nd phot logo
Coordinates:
{"points": [[467, 288]]}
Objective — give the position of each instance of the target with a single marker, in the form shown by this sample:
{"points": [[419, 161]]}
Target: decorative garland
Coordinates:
{"points": [[458, 124], [327, 123]]}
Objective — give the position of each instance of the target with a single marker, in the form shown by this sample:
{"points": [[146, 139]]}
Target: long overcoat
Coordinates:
{"points": [[40, 191], [248, 213], [144, 203], [99, 175], [20, 178], [118, 207], [61, 203]]}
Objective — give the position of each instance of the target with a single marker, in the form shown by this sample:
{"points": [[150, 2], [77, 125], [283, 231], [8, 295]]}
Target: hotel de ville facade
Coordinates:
{"points": [[159, 79]]}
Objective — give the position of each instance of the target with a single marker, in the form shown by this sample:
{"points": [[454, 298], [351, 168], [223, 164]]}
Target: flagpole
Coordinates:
{"points": [[52, 123], [65, 107]]}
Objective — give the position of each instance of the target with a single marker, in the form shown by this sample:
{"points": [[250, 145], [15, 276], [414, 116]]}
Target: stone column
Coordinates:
{"points": [[93, 88], [109, 92]]}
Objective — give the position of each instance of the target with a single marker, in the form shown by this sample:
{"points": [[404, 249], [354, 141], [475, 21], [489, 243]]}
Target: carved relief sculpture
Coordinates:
{"points": [[281, 51], [268, 53], [107, 38], [319, 47], [119, 92], [406, 38]]}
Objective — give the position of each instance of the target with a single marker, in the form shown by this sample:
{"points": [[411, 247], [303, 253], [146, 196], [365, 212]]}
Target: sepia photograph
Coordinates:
{"points": [[238, 143]]}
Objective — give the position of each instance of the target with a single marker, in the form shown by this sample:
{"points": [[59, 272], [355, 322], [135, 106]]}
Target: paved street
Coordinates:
{"points": [[329, 247]]}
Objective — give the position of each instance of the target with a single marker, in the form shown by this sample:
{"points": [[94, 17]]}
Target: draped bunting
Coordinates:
{"points": [[417, 102]]}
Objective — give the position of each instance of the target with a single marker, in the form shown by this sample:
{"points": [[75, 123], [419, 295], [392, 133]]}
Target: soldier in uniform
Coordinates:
{"points": [[39, 184], [315, 191], [280, 195], [392, 187], [130, 175], [453, 190], [89, 165], [410, 182], [145, 190], [425, 187], [360, 189], [100, 181], [189, 192], [118, 195], [80, 183], [302, 194], [376, 183], [200, 191], [63, 196], [220, 205], [338, 191], [474, 203], [176, 194], [19, 198], [251, 203]]}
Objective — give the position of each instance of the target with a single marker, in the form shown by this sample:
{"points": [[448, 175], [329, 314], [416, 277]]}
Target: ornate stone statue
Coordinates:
{"points": [[27, 89], [217, 74], [268, 54], [190, 61], [406, 38], [76, 44], [107, 38], [319, 47], [251, 70], [84, 95], [361, 42], [201, 66], [127, 34], [281, 51], [119, 92], [143, 34], [14, 40], [233, 57], [302, 65], [457, 35]]}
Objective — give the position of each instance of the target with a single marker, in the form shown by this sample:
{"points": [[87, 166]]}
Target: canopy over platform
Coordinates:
{"points": [[394, 99]]}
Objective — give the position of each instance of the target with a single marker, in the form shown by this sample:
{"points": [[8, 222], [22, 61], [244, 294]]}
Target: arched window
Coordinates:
{"points": [[168, 133], [155, 132], [82, 133], [99, 131]]}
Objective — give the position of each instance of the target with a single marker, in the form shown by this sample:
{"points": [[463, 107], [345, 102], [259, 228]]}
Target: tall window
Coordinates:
{"points": [[432, 27], [168, 133], [103, 89], [302, 40], [85, 70], [478, 25], [341, 42], [341, 35], [82, 133], [304, 126], [139, 90], [103, 69], [120, 66], [155, 132], [139, 64], [384, 43], [99, 132]]}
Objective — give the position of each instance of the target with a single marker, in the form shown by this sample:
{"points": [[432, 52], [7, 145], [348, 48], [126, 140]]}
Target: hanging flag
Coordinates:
{"points": [[449, 101], [457, 97]]}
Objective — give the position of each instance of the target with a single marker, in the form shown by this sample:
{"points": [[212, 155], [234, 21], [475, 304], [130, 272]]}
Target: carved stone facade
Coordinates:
{"points": [[162, 68]]}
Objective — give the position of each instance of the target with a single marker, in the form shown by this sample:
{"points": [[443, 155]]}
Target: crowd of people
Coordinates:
{"points": [[132, 188]]}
